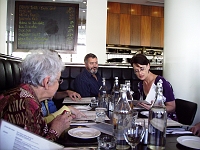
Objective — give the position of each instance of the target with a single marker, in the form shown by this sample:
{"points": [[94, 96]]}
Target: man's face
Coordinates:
{"points": [[92, 65]]}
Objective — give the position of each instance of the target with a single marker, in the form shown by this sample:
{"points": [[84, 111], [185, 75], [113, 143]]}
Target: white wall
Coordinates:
{"points": [[182, 49], [3, 15], [96, 29]]}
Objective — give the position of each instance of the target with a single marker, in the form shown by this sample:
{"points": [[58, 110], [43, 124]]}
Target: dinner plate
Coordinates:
{"points": [[189, 141], [84, 133], [82, 107]]}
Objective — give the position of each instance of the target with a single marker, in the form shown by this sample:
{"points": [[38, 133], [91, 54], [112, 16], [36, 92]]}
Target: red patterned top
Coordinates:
{"points": [[21, 106]]}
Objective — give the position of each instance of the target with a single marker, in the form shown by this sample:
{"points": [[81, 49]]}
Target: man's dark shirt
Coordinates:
{"points": [[86, 85]]}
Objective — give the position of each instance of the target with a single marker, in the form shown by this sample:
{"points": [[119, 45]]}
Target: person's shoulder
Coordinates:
{"points": [[165, 82]]}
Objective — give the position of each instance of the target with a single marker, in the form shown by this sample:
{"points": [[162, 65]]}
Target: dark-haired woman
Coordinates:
{"points": [[147, 86]]}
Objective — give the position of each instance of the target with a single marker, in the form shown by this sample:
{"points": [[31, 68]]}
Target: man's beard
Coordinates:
{"points": [[92, 71]]}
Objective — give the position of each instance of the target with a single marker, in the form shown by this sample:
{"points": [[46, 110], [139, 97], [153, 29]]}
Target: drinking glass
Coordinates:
{"points": [[135, 132]]}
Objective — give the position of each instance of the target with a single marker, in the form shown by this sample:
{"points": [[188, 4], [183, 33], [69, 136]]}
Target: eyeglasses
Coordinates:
{"points": [[139, 70], [60, 81]]}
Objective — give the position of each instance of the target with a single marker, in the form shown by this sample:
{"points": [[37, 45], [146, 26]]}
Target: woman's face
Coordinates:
{"points": [[141, 71], [53, 87]]}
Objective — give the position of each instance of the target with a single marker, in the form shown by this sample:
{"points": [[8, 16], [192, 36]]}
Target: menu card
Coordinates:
{"points": [[14, 137], [85, 100]]}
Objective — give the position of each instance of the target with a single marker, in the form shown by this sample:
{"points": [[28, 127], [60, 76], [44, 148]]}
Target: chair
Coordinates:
{"points": [[185, 111]]}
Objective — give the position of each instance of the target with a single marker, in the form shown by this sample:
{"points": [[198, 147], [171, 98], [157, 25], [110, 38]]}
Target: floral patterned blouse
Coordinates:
{"points": [[21, 107]]}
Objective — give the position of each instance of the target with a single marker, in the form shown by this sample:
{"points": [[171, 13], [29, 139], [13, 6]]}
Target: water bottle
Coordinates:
{"points": [[129, 93], [103, 97], [114, 95], [157, 121], [121, 118]]}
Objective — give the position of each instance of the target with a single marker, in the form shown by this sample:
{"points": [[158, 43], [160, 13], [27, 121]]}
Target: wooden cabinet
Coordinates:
{"points": [[113, 28], [135, 25]]}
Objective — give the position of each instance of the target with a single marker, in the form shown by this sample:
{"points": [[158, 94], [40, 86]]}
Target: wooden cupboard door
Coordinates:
{"points": [[135, 9], [125, 8], [162, 33], [135, 30], [145, 30], [155, 31], [124, 29], [145, 10], [113, 28], [113, 7], [157, 11]]}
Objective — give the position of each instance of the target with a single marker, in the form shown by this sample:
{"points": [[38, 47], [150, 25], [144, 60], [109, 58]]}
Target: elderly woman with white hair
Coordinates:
{"points": [[40, 77]]}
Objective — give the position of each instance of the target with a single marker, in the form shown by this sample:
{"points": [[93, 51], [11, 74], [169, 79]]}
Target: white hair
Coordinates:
{"points": [[40, 64]]}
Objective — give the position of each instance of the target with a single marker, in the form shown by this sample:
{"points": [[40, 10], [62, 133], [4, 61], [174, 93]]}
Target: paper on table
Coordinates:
{"points": [[170, 123], [103, 127], [14, 137], [91, 115], [85, 100]]}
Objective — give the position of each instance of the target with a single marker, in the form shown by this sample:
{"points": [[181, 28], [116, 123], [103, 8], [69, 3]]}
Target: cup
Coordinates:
{"points": [[106, 142], [100, 114]]}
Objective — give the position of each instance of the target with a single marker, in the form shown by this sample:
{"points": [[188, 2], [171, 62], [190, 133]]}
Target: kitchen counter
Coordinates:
{"points": [[116, 65]]}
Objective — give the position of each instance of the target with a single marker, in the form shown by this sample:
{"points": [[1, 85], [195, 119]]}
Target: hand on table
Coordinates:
{"points": [[61, 122], [73, 95], [196, 129], [76, 113]]}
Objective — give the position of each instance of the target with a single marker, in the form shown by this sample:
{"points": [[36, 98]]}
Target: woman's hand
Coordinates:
{"points": [[144, 105], [76, 113], [61, 122], [73, 95], [196, 129]]}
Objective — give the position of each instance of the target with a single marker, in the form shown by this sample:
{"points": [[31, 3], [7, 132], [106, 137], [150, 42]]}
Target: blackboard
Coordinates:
{"points": [[40, 25]]}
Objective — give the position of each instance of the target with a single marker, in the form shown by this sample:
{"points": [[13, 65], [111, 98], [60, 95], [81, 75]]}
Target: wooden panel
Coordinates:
{"points": [[145, 10], [125, 8], [113, 7], [113, 28], [124, 29], [157, 11], [135, 9], [162, 33], [155, 32], [145, 30], [135, 30]]}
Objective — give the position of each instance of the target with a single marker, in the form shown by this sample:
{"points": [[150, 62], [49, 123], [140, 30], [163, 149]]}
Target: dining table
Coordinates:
{"points": [[71, 142]]}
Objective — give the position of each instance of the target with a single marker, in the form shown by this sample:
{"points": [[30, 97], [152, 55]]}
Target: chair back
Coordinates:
{"points": [[185, 111]]}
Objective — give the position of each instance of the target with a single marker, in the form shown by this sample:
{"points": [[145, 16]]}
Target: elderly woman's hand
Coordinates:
{"points": [[61, 122], [73, 95], [76, 112], [196, 129]]}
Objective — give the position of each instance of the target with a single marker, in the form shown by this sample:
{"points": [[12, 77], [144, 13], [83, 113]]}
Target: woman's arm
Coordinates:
{"points": [[62, 94]]}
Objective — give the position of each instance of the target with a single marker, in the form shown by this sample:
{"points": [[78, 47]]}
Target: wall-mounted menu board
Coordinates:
{"points": [[46, 26]]}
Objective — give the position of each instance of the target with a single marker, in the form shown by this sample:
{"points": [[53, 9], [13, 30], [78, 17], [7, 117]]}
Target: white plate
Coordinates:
{"points": [[189, 141], [82, 107], [84, 133], [145, 113]]}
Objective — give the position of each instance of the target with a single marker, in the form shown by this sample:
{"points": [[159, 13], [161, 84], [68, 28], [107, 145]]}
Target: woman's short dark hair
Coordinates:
{"points": [[90, 55], [139, 59]]}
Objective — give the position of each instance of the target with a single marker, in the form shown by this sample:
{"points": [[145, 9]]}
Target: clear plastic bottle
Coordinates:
{"points": [[114, 95], [121, 117], [157, 121], [103, 97]]}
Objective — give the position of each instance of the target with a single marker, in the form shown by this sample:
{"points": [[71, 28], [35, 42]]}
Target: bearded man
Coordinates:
{"points": [[88, 82]]}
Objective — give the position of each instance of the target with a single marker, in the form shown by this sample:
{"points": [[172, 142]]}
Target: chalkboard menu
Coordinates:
{"points": [[46, 26]]}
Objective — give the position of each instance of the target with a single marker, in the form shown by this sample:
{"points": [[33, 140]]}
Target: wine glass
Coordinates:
{"points": [[135, 132]]}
